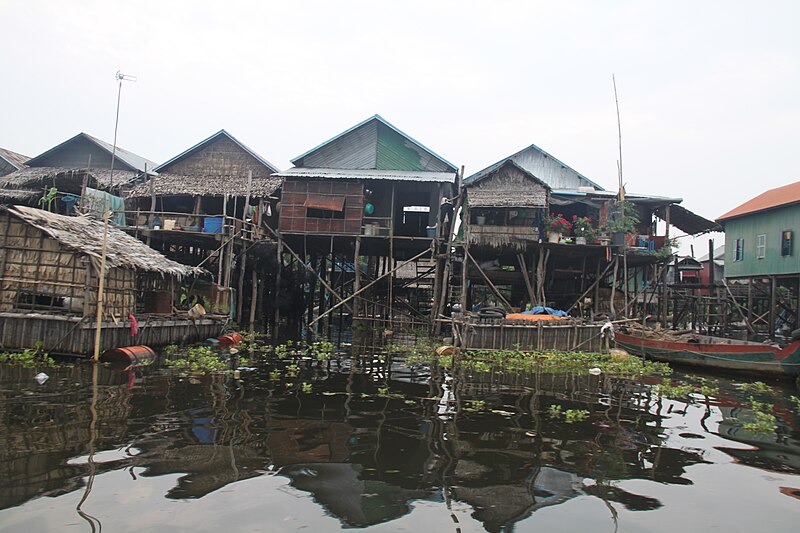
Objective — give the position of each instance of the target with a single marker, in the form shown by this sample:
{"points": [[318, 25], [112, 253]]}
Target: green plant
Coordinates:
{"points": [[383, 391], [49, 199], [622, 218], [756, 386], [307, 388], [292, 371], [474, 405], [576, 415], [583, 227], [554, 411], [200, 359], [28, 358], [170, 350], [274, 375]]}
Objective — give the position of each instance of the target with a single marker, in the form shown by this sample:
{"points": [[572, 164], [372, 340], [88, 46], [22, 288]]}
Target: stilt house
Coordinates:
{"points": [[371, 193]]}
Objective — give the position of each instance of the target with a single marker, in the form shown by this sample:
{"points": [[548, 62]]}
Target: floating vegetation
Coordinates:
{"points": [[199, 359], [28, 358], [576, 415], [796, 402], [474, 406], [554, 411], [756, 386], [307, 388], [553, 362], [765, 421], [667, 389]]}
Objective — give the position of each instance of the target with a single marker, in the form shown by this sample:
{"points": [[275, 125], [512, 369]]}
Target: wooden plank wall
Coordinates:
{"points": [[68, 335], [293, 213], [501, 335]]}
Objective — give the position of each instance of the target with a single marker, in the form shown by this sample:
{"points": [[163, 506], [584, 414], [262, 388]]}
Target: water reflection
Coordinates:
{"points": [[371, 438]]}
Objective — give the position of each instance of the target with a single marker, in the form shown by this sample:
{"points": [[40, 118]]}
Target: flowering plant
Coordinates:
{"points": [[557, 223], [583, 227]]}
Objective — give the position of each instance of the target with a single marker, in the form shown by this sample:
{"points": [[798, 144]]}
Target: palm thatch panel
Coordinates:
{"points": [[64, 179], [168, 184], [508, 186]]}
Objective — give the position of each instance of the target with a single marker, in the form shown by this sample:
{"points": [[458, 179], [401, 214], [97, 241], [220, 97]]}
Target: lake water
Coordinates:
{"points": [[381, 446]]}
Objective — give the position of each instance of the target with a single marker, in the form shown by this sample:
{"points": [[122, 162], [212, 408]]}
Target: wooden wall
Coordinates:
{"points": [[222, 157], [293, 213]]}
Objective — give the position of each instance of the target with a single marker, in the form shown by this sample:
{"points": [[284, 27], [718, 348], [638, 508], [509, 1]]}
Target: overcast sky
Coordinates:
{"points": [[708, 90]]}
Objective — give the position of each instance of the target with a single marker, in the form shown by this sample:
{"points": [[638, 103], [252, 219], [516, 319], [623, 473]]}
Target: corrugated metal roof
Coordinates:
{"points": [[367, 174], [544, 166], [687, 221], [128, 159], [780, 196], [210, 139], [14, 159], [373, 143]]}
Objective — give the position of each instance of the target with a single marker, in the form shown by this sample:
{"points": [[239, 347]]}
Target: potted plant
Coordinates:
{"points": [[556, 226], [622, 220], [583, 229]]}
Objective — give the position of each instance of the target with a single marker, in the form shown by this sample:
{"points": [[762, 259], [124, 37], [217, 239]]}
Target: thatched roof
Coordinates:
{"points": [[85, 235], [30, 183], [508, 185], [168, 184]]}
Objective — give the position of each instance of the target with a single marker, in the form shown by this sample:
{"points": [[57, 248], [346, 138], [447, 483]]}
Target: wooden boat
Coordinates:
{"points": [[713, 352]]}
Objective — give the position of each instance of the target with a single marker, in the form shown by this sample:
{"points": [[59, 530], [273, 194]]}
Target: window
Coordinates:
{"points": [[761, 246], [322, 206], [786, 243], [738, 251]]}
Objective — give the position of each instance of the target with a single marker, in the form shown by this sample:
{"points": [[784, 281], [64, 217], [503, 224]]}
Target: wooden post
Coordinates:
{"points": [[391, 258], [357, 278], [357, 289], [524, 269], [254, 291], [276, 312], [773, 287], [465, 264], [614, 288], [489, 282]]}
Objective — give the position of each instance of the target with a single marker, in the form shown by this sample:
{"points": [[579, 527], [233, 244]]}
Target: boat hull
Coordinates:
{"points": [[753, 358]]}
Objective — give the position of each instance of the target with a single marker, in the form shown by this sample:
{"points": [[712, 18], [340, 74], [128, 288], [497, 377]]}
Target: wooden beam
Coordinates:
{"points": [[491, 285], [524, 268], [359, 290]]}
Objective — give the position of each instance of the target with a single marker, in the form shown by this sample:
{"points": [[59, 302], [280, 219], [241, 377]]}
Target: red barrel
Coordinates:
{"points": [[230, 340], [129, 355]]}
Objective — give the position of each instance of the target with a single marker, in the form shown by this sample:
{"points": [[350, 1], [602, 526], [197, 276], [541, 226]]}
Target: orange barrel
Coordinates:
{"points": [[229, 340], [129, 355]]}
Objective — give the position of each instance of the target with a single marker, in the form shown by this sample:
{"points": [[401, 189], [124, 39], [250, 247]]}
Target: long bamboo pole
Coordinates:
{"points": [[101, 285]]}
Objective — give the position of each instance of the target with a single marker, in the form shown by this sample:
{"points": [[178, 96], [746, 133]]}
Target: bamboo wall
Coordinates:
{"points": [[38, 273]]}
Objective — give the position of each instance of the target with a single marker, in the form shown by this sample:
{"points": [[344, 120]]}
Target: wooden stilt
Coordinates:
{"points": [[489, 282]]}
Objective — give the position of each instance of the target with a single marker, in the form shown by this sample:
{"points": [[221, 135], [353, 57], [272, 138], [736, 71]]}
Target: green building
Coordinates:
{"points": [[760, 234], [762, 262]]}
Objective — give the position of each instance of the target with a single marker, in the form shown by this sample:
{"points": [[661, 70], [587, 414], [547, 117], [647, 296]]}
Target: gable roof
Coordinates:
{"points": [[85, 235], [374, 144], [13, 158], [780, 196], [553, 172], [129, 160], [209, 140], [518, 189]]}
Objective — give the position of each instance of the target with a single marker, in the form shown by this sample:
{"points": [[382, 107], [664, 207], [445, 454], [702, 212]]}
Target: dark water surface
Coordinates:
{"points": [[389, 448]]}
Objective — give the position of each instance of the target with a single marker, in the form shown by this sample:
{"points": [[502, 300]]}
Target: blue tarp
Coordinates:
{"points": [[540, 310]]}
